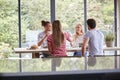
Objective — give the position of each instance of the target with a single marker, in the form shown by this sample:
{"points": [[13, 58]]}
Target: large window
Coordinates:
{"points": [[33, 11], [8, 27], [103, 12], [70, 13]]}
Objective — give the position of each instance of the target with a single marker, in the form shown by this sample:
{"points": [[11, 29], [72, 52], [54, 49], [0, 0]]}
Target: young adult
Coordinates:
{"points": [[42, 39], [42, 36], [57, 40], [77, 39], [94, 38]]}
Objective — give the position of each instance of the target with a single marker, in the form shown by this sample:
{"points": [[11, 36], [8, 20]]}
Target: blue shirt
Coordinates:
{"points": [[96, 42]]}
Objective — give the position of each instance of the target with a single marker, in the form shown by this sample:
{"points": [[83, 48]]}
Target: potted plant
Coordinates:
{"points": [[109, 38]]}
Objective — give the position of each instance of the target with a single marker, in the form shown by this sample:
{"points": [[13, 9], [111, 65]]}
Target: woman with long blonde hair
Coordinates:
{"points": [[78, 35], [57, 40], [78, 38]]}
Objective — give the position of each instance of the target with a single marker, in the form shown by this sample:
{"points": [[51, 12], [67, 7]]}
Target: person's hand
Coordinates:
{"points": [[71, 44], [47, 34], [68, 33]]}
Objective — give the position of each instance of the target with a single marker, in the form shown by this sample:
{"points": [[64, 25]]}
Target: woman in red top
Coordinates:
{"points": [[57, 40]]}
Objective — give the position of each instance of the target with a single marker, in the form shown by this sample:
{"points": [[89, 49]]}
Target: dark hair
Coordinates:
{"points": [[91, 23], [44, 23]]}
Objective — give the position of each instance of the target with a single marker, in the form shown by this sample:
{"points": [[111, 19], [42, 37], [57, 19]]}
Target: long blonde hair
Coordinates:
{"points": [[76, 34], [57, 35]]}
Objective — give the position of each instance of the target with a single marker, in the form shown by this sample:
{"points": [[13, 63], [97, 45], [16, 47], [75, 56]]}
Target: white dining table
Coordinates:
{"points": [[27, 50]]}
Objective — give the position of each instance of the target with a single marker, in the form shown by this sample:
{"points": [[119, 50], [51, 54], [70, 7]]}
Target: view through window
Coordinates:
{"points": [[69, 12], [8, 27], [33, 12], [103, 12]]}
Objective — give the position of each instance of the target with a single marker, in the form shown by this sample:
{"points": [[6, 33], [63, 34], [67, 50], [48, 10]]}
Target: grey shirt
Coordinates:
{"points": [[96, 42]]}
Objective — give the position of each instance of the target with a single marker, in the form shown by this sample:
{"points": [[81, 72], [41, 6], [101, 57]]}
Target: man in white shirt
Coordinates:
{"points": [[94, 38]]}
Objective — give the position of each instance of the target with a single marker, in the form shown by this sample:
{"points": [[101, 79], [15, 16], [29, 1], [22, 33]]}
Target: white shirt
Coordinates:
{"points": [[78, 40], [96, 42]]}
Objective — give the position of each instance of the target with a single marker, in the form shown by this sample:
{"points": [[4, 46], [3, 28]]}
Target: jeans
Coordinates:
{"points": [[77, 54], [80, 53]]}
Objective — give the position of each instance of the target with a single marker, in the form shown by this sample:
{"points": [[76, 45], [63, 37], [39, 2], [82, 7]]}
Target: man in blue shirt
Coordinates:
{"points": [[94, 39]]}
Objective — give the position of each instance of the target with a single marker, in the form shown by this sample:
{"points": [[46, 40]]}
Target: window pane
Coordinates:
{"points": [[103, 12], [9, 65], [70, 12], [33, 11], [8, 27]]}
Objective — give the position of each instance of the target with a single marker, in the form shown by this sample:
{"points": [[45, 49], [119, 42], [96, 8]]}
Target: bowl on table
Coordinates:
{"points": [[34, 47]]}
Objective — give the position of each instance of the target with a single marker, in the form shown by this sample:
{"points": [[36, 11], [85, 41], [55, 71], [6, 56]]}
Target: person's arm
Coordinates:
{"points": [[67, 35], [41, 41], [85, 42], [49, 44], [71, 44], [49, 47], [70, 40]]}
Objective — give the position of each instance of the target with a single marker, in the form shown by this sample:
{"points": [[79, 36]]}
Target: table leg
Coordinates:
{"points": [[35, 55]]}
